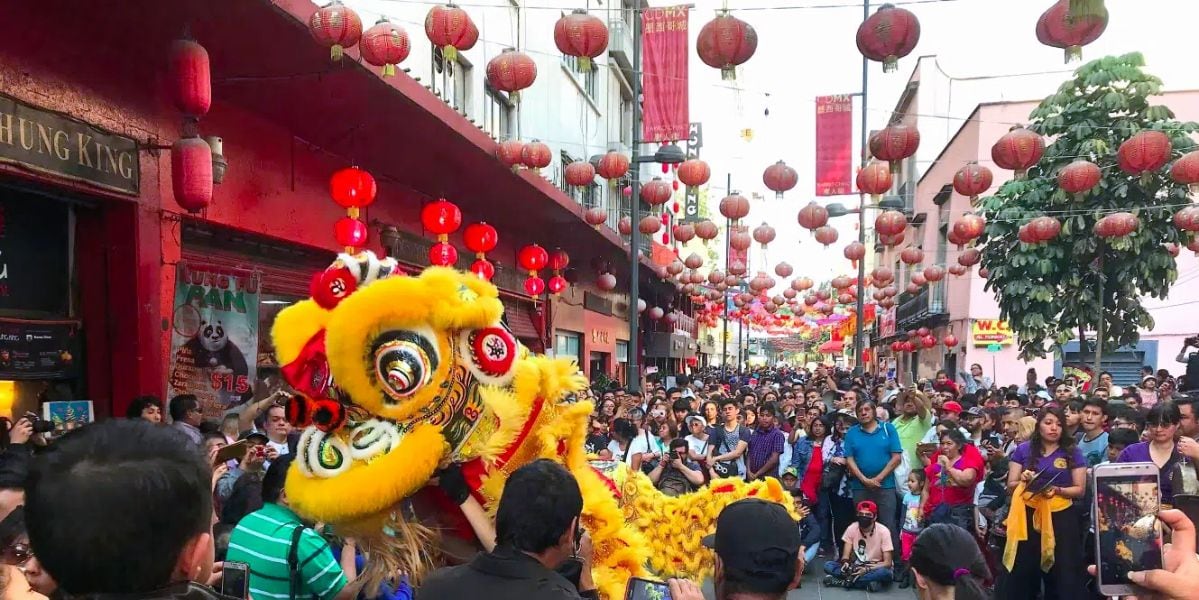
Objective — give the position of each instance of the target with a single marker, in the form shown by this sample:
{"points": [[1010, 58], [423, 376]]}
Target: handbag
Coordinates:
{"points": [[649, 465], [726, 468], [830, 478]]}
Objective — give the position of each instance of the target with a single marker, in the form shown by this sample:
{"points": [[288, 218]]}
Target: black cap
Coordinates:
{"points": [[252, 435], [758, 543]]}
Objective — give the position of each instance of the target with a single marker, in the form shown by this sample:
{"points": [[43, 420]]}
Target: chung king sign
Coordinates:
{"points": [[49, 142]]}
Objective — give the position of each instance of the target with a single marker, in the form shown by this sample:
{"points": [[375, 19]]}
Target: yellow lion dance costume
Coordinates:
{"points": [[399, 375]]}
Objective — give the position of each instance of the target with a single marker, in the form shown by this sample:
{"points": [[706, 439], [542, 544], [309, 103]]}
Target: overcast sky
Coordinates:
{"points": [[804, 53]]}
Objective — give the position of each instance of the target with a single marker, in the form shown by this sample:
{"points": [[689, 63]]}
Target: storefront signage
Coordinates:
{"points": [[601, 336], [38, 349], [34, 269], [214, 335], [49, 142], [991, 331]]}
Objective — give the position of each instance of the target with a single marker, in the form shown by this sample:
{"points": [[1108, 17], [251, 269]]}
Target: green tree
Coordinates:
{"points": [[1050, 292]]}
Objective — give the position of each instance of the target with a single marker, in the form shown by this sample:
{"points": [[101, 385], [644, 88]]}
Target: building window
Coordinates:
{"points": [[626, 122], [622, 351], [568, 344], [586, 79], [497, 113], [455, 82]]}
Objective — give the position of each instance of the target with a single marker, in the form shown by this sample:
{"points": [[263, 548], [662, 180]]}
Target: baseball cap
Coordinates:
{"points": [[951, 406], [1044, 395], [792, 471], [253, 436], [868, 506], [758, 544], [975, 411], [695, 417]]}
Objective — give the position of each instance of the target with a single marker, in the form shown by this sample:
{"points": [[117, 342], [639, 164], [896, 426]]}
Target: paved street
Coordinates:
{"points": [[812, 590]]}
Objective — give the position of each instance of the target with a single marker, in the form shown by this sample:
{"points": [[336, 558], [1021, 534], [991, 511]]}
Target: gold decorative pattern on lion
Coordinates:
{"points": [[398, 375]]}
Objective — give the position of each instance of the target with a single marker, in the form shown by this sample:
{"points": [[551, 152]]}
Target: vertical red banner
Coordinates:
{"points": [[664, 67], [834, 145]]}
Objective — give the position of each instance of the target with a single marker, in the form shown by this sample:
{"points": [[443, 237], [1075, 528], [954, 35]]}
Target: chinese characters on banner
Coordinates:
{"points": [[834, 145], [664, 81], [214, 336]]}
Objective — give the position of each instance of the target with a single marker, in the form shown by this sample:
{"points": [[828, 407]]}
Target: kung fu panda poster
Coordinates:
{"points": [[214, 336]]}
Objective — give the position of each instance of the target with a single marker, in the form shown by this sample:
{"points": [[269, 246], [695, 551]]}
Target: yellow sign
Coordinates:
{"points": [[991, 331], [747, 135]]}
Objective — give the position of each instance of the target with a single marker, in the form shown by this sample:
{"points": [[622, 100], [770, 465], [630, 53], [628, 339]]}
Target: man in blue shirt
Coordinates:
{"points": [[873, 451]]}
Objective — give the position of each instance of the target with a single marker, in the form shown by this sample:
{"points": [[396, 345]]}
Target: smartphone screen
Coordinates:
{"points": [[645, 589], [235, 579], [1126, 528]]}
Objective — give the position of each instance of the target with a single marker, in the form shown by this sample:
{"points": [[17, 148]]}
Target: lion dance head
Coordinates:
{"points": [[397, 376]]}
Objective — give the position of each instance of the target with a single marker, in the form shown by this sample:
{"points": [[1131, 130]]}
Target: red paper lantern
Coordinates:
{"points": [[441, 217], [352, 188], [784, 269], [803, 283], [1025, 235], [684, 233], [779, 178], [896, 346], [595, 216], [559, 259], [969, 227], [536, 155], [706, 230], [1044, 229], [191, 78], [841, 282], [888, 35], [511, 71], [581, 35], [913, 288], [534, 286], [1185, 170], [1079, 177], [882, 276], [1193, 245], [624, 226], [606, 282], [984, 273], [694, 173], [350, 232], [826, 235], [483, 269], [443, 254], [480, 238], [734, 207], [557, 284], [934, 273], [854, 251], [580, 174], [385, 45], [1144, 153], [693, 261], [922, 332], [890, 222], [739, 239], [813, 216], [891, 240], [335, 27], [969, 257], [510, 153], [451, 29], [911, 255], [764, 234], [1187, 219], [928, 341], [957, 270], [613, 166], [191, 173], [649, 225], [874, 179], [1173, 249], [1117, 225], [1058, 27], [972, 180], [655, 192], [1018, 150], [725, 42], [895, 143], [532, 258]]}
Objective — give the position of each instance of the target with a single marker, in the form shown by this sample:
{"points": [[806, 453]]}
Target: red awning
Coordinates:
{"points": [[519, 317], [832, 347]]}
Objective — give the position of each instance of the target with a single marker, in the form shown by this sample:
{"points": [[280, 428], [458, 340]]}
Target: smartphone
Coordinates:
{"points": [[1128, 536], [235, 579], [646, 589], [234, 451]]}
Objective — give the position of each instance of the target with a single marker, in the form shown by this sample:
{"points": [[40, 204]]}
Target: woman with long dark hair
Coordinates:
{"points": [[1044, 528], [948, 565], [1161, 449]]}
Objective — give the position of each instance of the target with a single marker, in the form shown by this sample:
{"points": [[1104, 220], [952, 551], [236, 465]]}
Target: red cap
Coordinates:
{"points": [[952, 406], [868, 506]]}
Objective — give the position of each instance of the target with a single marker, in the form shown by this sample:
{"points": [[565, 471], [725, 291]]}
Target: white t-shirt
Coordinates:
{"points": [[644, 443], [697, 446]]}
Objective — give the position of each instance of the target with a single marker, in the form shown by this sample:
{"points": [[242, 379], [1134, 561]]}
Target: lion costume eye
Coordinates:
{"points": [[404, 363]]}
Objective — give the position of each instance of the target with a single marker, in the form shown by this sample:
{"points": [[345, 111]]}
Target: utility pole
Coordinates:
{"points": [[632, 370], [724, 355], [858, 337]]}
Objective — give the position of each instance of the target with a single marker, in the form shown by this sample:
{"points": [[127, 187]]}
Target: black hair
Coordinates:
{"points": [[947, 555], [770, 408], [540, 502], [727, 401], [211, 435], [12, 527], [1164, 412], [1099, 403], [865, 401], [1122, 437], [1065, 442], [1124, 411], [673, 390], [680, 404], [678, 443], [624, 429], [244, 498], [182, 404], [1075, 405], [921, 476], [140, 403], [112, 491], [955, 435], [275, 478]]}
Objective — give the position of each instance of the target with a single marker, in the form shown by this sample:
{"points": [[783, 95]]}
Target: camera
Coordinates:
{"points": [[39, 425]]}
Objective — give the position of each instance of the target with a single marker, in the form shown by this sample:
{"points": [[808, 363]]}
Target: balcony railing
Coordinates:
{"points": [[620, 44], [928, 302]]}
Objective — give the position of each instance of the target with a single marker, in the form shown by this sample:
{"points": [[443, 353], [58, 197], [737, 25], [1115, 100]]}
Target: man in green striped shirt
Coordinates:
{"points": [[264, 539]]}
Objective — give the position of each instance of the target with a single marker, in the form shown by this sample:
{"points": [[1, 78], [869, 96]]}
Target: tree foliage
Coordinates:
{"points": [[1050, 293]]}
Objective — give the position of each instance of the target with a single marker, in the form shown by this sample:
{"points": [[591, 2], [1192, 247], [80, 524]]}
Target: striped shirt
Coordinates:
{"points": [[262, 540]]}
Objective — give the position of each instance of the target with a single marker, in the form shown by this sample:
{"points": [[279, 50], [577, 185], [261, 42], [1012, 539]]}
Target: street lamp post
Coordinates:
{"points": [[858, 336]]}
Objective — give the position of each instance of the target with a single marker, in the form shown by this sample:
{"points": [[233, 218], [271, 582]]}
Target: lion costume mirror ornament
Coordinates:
{"points": [[398, 375]]}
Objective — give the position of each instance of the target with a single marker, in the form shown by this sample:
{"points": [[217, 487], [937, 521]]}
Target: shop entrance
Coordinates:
{"points": [[598, 365]]}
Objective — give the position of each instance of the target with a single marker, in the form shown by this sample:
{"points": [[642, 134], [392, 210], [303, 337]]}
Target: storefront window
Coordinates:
{"points": [[568, 345], [622, 351]]}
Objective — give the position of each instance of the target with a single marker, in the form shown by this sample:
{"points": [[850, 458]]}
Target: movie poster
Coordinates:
{"points": [[214, 336]]}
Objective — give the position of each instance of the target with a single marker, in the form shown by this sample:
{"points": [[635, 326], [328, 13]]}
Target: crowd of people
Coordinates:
{"points": [[873, 464], [957, 488]]}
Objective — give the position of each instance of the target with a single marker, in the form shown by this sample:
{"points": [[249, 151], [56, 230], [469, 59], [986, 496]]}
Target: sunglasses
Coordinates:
{"points": [[17, 554]]}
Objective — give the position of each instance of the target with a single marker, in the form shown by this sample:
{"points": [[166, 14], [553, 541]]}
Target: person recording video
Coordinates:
{"points": [[677, 474], [1190, 382]]}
